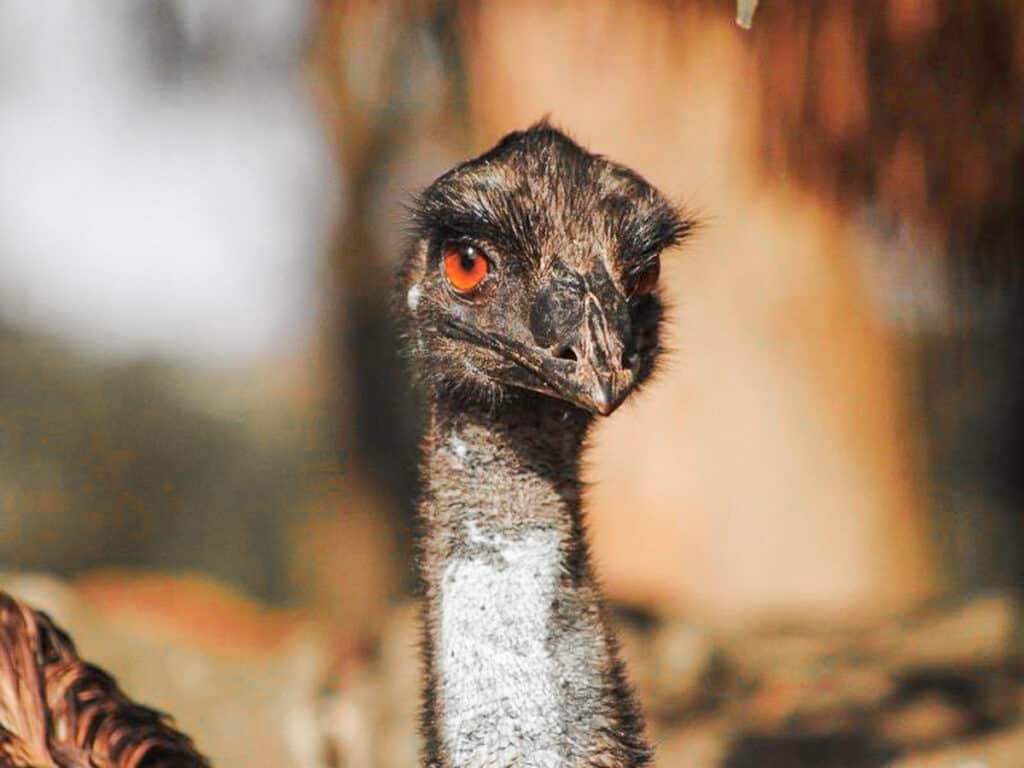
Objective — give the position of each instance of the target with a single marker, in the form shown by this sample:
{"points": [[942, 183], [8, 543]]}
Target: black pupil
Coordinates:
{"points": [[467, 259]]}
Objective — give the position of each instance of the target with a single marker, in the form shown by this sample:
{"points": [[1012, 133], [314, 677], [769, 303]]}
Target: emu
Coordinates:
{"points": [[531, 306]]}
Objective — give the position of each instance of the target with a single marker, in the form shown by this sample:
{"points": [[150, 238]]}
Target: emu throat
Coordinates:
{"points": [[500, 692], [521, 667]]}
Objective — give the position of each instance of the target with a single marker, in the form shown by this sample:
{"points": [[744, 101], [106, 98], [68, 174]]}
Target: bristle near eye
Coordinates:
{"points": [[653, 229]]}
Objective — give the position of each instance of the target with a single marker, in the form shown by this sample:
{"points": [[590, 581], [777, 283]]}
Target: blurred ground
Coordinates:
{"points": [[940, 687]]}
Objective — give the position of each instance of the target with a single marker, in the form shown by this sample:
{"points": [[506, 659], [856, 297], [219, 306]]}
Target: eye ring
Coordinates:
{"points": [[465, 267]]}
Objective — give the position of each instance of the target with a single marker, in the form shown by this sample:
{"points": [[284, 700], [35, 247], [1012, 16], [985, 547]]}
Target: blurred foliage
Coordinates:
{"points": [[911, 106], [116, 466]]}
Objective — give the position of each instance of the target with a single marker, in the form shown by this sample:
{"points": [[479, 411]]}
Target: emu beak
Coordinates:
{"points": [[606, 395], [598, 382], [588, 383], [587, 367], [593, 387]]}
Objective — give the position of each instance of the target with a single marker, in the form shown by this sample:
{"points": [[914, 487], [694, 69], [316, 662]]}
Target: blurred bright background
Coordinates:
{"points": [[207, 443]]}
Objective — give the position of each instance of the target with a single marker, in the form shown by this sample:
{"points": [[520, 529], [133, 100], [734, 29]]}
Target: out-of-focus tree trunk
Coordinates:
{"points": [[911, 115], [387, 78]]}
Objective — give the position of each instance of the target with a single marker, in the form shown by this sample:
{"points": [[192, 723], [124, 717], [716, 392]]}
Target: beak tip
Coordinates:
{"points": [[604, 400]]}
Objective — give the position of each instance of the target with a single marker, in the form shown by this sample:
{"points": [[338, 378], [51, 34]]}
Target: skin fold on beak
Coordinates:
{"points": [[594, 376]]}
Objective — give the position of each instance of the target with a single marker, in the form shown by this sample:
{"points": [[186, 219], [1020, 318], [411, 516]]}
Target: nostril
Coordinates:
{"points": [[566, 353]]}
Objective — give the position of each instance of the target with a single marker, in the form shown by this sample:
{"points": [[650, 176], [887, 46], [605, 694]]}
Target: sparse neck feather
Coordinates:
{"points": [[521, 666]]}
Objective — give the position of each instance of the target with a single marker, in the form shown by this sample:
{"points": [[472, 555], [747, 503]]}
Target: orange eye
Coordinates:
{"points": [[465, 267], [648, 279]]}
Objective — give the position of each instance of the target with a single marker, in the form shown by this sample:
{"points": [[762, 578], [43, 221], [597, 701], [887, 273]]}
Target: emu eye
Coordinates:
{"points": [[647, 280], [465, 267]]}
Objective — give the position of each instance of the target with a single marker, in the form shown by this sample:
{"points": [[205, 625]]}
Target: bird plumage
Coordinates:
{"points": [[57, 711]]}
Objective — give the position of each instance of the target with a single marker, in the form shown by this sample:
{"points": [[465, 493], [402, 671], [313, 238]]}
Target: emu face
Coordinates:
{"points": [[536, 266]]}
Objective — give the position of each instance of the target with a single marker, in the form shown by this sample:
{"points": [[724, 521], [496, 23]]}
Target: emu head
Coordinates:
{"points": [[535, 266]]}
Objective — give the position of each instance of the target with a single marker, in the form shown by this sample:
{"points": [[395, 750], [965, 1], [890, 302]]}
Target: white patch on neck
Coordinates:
{"points": [[412, 298], [459, 449], [499, 693]]}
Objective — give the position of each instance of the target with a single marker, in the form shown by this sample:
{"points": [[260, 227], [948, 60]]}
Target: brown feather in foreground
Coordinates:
{"points": [[57, 711]]}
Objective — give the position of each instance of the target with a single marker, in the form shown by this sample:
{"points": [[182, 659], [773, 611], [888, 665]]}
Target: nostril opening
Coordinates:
{"points": [[566, 353]]}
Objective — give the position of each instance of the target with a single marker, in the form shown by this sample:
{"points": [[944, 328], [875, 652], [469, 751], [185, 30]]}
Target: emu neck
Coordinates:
{"points": [[506, 471], [521, 666]]}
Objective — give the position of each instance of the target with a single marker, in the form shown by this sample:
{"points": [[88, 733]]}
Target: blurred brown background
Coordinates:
{"points": [[207, 443]]}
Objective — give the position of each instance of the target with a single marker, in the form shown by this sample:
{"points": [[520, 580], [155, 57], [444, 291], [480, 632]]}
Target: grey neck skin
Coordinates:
{"points": [[521, 665]]}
